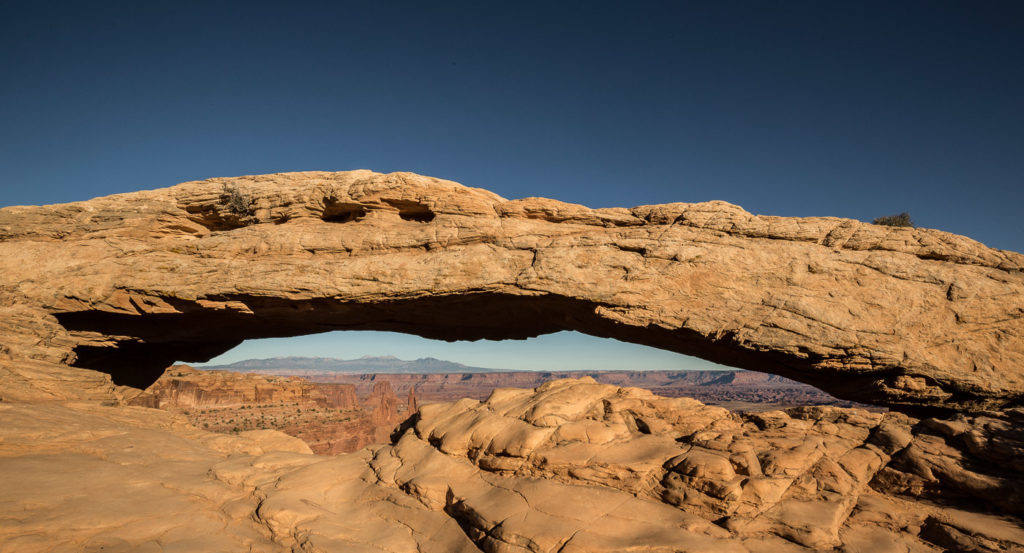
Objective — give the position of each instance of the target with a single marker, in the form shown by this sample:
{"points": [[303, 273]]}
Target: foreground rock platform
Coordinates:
{"points": [[573, 466], [98, 297]]}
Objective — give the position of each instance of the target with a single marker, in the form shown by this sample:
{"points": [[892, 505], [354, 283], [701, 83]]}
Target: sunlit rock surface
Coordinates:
{"points": [[572, 466], [128, 284], [183, 387], [737, 390], [97, 298], [328, 417]]}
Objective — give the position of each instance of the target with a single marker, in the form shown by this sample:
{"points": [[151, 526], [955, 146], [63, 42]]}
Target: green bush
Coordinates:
{"points": [[898, 220]]}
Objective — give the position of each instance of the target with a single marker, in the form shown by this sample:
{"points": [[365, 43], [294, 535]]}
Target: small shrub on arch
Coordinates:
{"points": [[238, 203], [898, 220]]}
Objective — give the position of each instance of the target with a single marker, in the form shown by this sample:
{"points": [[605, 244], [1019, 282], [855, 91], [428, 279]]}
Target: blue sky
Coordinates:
{"points": [[559, 351], [849, 109]]}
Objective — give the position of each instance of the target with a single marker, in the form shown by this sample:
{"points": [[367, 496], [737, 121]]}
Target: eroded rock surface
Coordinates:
{"points": [[183, 387], [128, 284], [81, 477], [573, 466], [736, 390], [98, 297], [329, 418]]}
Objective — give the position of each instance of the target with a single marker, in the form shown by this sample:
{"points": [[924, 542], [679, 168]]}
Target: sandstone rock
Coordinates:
{"points": [[410, 403], [183, 387], [98, 297], [562, 468], [328, 417], [735, 390], [383, 407], [128, 284], [117, 479]]}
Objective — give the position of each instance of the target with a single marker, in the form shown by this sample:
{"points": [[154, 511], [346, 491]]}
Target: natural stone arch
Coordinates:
{"points": [[126, 284]]}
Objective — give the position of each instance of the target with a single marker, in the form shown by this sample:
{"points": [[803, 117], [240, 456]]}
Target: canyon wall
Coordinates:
{"points": [[183, 387], [326, 412], [744, 390], [329, 417]]}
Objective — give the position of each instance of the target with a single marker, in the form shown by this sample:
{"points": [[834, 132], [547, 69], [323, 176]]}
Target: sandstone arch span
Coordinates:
{"points": [[123, 285]]}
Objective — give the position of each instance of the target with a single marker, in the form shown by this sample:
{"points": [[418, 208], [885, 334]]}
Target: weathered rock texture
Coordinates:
{"points": [[329, 418], [98, 297], [736, 390], [82, 477], [183, 387], [573, 466], [128, 284]]}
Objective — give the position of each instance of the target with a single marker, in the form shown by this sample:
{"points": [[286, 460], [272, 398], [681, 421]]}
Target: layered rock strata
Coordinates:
{"points": [[737, 390], [183, 387], [100, 296], [329, 418], [573, 466]]}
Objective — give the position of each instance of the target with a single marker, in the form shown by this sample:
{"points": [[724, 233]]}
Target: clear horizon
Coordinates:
{"points": [[561, 351]]}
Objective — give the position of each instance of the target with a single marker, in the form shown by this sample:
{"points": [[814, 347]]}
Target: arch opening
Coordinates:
{"points": [[141, 346], [447, 371], [562, 351]]}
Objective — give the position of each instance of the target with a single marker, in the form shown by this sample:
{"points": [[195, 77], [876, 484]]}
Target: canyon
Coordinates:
{"points": [[336, 412], [737, 390], [98, 298], [329, 418]]}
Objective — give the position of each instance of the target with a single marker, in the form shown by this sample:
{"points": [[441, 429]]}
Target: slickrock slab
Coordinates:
{"points": [[128, 284], [579, 466], [81, 477], [573, 466]]}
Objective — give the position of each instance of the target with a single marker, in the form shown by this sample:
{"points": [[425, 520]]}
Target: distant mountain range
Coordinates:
{"points": [[386, 364]]}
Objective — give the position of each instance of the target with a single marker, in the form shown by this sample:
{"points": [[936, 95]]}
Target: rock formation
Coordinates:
{"points": [[340, 397], [328, 417], [183, 387], [573, 466], [737, 390], [411, 405], [100, 296], [383, 407]]}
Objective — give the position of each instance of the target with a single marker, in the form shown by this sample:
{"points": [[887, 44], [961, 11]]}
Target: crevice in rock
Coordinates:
{"points": [[456, 511], [342, 212], [408, 423], [565, 543], [409, 210], [213, 219]]}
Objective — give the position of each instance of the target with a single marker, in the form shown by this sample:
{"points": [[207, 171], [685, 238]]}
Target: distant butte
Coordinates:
{"points": [[98, 297]]}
